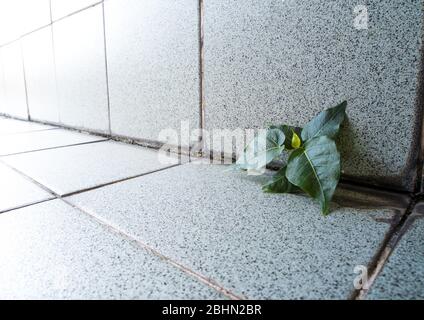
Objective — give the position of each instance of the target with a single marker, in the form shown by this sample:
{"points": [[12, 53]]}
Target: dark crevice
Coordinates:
{"points": [[399, 226]]}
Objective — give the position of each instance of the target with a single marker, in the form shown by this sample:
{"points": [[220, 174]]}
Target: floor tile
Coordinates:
{"points": [[258, 245], [403, 274], [53, 251], [17, 191], [37, 140], [91, 164], [10, 126]]}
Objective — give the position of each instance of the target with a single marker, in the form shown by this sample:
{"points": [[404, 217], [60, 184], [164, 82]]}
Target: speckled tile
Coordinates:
{"points": [[40, 75], [402, 277], [258, 245], [61, 8], [81, 70], [279, 61], [17, 191], [11, 126], [92, 165], [153, 66], [14, 97], [38, 140], [53, 251]]}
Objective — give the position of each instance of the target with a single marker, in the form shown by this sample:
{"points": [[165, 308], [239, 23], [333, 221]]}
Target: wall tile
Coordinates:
{"points": [[14, 95], [40, 75], [18, 17], [279, 61], [153, 58], [81, 71], [2, 90], [61, 8]]}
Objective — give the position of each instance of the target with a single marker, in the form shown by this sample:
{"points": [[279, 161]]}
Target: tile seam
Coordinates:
{"points": [[106, 68], [387, 247], [50, 23], [201, 278]]}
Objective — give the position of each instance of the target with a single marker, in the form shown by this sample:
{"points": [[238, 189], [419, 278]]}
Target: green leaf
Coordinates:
{"points": [[264, 148], [279, 183], [289, 132], [326, 123], [315, 168]]}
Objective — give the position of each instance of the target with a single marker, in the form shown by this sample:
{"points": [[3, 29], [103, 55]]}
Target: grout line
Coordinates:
{"points": [[419, 104], [54, 194], [364, 185], [51, 23], [201, 278], [117, 181], [2, 135], [106, 68], [27, 205], [55, 70], [78, 11], [201, 75], [388, 245], [50, 8], [25, 80], [157, 145], [51, 148]]}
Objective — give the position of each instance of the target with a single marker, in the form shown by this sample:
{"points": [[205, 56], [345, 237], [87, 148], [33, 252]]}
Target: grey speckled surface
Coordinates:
{"points": [[37, 140], [81, 70], [53, 251], [153, 66], [91, 164], [402, 278], [258, 245], [276, 61], [16, 191]]}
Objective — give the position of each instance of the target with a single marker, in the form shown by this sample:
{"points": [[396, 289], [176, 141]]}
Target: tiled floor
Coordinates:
{"points": [[82, 217]]}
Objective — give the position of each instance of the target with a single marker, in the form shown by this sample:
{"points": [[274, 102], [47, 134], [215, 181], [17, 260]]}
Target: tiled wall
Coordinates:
{"points": [[131, 68]]}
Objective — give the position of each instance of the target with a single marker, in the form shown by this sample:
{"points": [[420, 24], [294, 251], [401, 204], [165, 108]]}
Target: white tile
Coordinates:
{"points": [[18, 17], [61, 8], [40, 75], [81, 70], [153, 66], [34, 14], [53, 251], [92, 165], [16, 190], [11, 126], [13, 81], [2, 88], [37, 140]]}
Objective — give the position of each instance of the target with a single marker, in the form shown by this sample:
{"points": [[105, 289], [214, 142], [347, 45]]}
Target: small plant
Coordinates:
{"points": [[314, 162]]}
